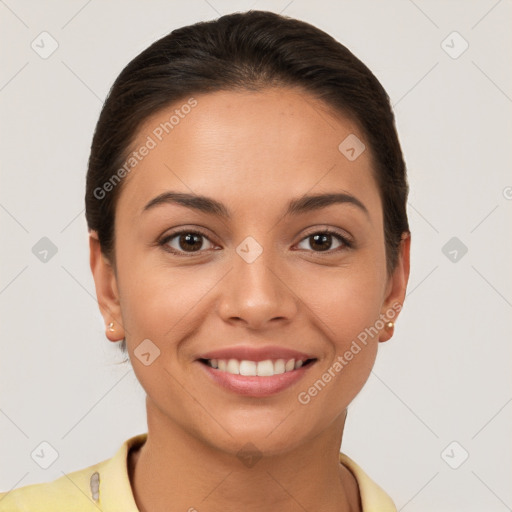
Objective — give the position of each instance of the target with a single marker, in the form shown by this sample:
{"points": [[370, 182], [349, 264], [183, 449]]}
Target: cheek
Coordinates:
{"points": [[347, 301], [161, 302], [347, 304], [348, 309]]}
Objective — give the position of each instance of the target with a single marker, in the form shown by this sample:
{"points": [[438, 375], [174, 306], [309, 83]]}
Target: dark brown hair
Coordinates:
{"points": [[244, 51]]}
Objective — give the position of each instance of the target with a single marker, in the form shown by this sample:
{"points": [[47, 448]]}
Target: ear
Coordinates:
{"points": [[396, 288], [107, 292]]}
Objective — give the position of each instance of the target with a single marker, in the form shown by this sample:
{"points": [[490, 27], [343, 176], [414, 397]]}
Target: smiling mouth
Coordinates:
{"points": [[266, 368]]}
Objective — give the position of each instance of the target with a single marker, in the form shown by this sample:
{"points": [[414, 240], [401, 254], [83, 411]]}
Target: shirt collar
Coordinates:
{"points": [[115, 491], [373, 497]]}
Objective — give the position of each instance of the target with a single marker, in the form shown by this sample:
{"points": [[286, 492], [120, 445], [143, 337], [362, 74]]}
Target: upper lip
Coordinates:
{"points": [[256, 353]]}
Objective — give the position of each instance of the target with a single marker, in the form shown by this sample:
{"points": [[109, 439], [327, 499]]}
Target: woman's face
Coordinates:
{"points": [[242, 275]]}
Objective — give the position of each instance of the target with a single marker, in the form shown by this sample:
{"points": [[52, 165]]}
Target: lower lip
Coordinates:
{"points": [[256, 386]]}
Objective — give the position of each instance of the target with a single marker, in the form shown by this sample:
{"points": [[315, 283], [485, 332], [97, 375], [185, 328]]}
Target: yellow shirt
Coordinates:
{"points": [[106, 486]]}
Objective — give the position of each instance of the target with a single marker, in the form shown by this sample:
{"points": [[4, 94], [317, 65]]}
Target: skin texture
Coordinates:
{"points": [[254, 152]]}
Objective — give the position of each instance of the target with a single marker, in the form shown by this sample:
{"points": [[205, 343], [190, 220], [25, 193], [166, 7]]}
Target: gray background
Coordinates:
{"points": [[445, 375]]}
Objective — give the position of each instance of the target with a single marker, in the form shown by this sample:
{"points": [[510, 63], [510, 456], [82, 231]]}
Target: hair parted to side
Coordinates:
{"points": [[252, 50]]}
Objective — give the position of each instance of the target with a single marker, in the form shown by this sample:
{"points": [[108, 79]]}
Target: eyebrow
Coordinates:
{"points": [[297, 206]]}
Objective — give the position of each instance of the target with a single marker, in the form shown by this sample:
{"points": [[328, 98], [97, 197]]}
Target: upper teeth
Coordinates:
{"points": [[265, 368]]}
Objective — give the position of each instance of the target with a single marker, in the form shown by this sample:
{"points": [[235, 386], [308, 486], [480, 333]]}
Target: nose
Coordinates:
{"points": [[257, 294]]}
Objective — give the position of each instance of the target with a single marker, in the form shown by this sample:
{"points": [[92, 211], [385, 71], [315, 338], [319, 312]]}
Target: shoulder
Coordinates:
{"points": [[102, 486], [68, 492], [373, 497]]}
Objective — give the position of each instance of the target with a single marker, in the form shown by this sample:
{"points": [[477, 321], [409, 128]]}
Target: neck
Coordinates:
{"points": [[175, 469]]}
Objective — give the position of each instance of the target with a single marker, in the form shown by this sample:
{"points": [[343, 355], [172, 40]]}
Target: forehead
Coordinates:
{"points": [[248, 147]]}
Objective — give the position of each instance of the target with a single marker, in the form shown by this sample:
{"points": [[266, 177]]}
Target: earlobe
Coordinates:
{"points": [[396, 291], [387, 333], [106, 289]]}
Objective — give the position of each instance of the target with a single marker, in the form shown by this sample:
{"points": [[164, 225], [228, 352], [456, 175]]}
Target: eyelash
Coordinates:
{"points": [[346, 243]]}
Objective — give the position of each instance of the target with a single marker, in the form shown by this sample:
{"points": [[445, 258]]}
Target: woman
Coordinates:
{"points": [[246, 203]]}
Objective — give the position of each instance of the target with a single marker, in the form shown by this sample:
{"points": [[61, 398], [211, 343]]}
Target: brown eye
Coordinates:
{"points": [[186, 242], [323, 241]]}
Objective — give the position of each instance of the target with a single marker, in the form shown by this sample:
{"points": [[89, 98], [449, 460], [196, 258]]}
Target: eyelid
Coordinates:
{"points": [[163, 241], [346, 242], [346, 239]]}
